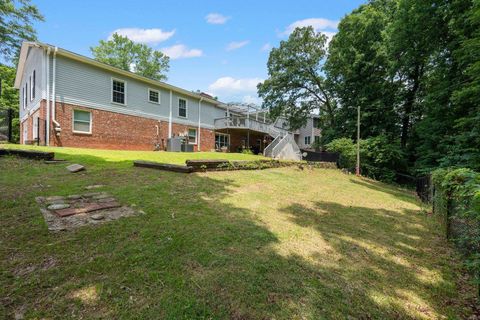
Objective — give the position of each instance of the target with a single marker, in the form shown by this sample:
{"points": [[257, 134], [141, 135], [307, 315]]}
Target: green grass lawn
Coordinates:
{"points": [[92, 155], [272, 244]]}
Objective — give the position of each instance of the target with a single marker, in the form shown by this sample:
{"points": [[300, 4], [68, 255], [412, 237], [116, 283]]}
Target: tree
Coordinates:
{"points": [[123, 53], [9, 98], [358, 70], [296, 86], [16, 24]]}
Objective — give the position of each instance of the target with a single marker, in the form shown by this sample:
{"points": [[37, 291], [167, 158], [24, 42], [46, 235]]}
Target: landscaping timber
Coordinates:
{"points": [[162, 166], [31, 154]]}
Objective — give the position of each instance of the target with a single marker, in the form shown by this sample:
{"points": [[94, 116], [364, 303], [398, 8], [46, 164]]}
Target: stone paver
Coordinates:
{"points": [[77, 210]]}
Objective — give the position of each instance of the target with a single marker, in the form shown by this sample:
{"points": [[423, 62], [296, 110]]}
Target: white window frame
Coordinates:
{"points": [[196, 136], [148, 95], [73, 122], [223, 134], [125, 93], [186, 108], [309, 138], [23, 97]]}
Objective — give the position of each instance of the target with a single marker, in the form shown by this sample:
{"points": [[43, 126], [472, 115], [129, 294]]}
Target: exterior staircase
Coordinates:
{"points": [[283, 145]]}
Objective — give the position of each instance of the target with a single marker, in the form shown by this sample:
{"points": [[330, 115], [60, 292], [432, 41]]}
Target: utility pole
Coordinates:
{"points": [[357, 171]]}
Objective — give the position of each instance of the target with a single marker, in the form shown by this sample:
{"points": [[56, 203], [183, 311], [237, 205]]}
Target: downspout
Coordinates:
{"points": [[54, 76], [170, 117], [47, 139], [199, 128]]}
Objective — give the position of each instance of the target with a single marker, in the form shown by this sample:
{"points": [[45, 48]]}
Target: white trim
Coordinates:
{"points": [[124, 93], [186, 108], [90, 122], [148, 95], [196, 136], [33, 94], [199, 123]]}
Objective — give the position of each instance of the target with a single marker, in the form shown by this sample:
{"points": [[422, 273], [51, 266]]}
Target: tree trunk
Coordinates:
{"points": [[408, 106]]}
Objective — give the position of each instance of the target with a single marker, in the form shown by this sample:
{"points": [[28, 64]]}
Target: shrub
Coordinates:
{"points": [[457, 198], [380, 158], [347, 150]]}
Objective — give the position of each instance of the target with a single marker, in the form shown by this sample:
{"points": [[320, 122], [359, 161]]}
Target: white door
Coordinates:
{"points": [[25, 131], [35, 128]]}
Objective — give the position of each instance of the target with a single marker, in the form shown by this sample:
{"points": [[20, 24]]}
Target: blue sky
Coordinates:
{"points": [[219, 47]]}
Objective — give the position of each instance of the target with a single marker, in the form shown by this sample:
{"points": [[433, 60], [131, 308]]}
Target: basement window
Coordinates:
{"points": [[82, 121], [118, 91], [154, 96], [192, 136]]}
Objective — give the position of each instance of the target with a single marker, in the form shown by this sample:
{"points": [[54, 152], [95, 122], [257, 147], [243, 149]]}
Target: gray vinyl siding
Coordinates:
{"points": [[33, 62], [308, 130], [79, 83]]}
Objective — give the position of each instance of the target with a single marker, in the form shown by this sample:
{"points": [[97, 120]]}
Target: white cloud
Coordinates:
{"points": [[180, 51], [150, 36], [231, 85], [318, 24], [266, 47], [216, 18], [236, 45]]}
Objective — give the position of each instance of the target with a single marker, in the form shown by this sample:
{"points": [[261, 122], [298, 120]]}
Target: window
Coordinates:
{"points": [[118, 91], [25, 95], [222, 140], [182, 108], [192, 136], [23, 98], [31, 89], [317, 139], [33, 84], [307, 140], [82, 121], [154, 96]]}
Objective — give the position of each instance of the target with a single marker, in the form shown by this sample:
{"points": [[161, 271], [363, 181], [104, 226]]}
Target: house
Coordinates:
{"points": [[70, 100]]}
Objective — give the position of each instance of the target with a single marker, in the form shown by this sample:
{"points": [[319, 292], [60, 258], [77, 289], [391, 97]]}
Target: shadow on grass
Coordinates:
{"points": [[401, 194], [194, 255]]}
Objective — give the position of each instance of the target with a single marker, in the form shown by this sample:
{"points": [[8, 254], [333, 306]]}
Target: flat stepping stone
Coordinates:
{"points": [[58, 206], [54, 198], [95, 186], [109, 199], [97, 216], [101, 196], [74, 197], [75, 168], [87, 208]]}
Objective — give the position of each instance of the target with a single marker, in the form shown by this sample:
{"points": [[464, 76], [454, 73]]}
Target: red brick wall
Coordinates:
{"points": [[41, 113], [237, 137], [112, 130]]}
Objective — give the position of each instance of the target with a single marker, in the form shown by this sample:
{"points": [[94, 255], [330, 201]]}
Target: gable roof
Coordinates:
{"points": [[26, 45]]}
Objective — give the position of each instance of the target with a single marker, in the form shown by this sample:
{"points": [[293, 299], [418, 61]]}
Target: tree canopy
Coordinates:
{"points": [[413, 68], [125, 54], [16, 24], [296, 86]]}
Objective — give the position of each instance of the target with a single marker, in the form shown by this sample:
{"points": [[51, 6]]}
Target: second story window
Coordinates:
{"points": [[153, 96], [118, 91], [182, 108], [31, 89], [25, 96], [33, 84]]}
